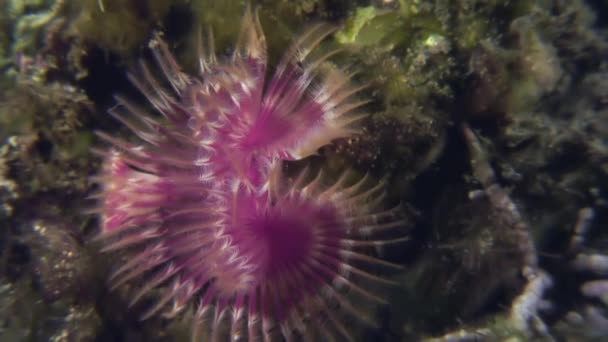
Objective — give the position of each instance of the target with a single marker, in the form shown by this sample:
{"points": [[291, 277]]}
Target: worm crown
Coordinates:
{"points": [[203, 211]]}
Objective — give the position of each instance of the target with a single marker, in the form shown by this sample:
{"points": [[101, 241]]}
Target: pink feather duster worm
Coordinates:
{"points": [[201, 208]]}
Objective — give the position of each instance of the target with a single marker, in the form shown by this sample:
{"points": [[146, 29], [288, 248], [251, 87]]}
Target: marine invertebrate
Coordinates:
{"points": [[525, 309], [206, 212]]}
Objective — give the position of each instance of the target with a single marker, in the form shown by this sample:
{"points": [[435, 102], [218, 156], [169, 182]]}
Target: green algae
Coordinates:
{"points": [[119, 26]]}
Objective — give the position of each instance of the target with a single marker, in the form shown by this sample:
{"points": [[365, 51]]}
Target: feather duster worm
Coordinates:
{"points": [[202, 210]]}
